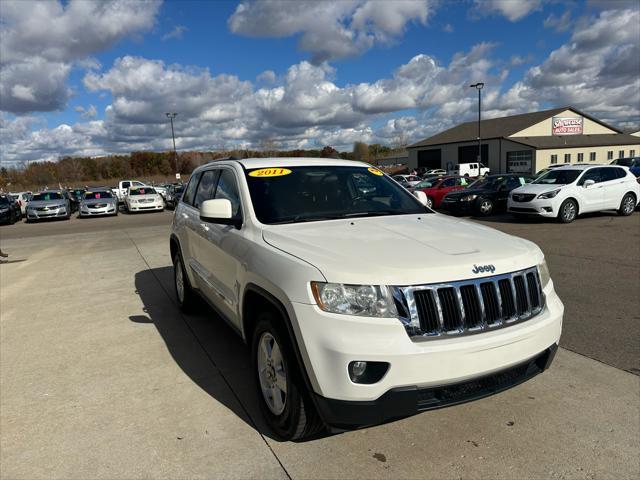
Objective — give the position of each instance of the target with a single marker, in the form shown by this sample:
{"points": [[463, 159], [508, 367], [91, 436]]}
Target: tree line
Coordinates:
{"points": [[143, 165]]}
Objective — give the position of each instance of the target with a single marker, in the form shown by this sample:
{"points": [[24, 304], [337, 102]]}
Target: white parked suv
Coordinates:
{"points": [[359, 304], [568, 191]]}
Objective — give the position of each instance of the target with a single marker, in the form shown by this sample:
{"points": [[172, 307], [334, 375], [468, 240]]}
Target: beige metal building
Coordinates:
{"points": [[526, 143]]}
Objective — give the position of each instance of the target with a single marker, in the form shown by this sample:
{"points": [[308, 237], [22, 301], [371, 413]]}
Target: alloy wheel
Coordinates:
{"points": [[272, 373], [629, 205], [179, 281], [569, 211]]}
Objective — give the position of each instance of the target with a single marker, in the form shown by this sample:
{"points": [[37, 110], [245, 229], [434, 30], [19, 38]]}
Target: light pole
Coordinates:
{"points": [[478, 86], [171, 116]]}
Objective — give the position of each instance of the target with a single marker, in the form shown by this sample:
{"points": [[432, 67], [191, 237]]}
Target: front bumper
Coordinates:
{"points": [[457, 206], [329, 342], [537, 207], [406, 401], [42, 214], [145, 207], [89, 212]]}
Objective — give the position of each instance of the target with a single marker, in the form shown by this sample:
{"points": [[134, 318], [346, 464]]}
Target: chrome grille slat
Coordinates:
{"points": [[470, 306]]}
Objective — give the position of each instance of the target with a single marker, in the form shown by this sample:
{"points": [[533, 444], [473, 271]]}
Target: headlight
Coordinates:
{"points": [[543, 270], [362, 300], [469, 198], [550, 194]]}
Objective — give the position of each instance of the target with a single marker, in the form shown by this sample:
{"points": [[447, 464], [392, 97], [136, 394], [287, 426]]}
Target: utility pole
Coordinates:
{"points": [[478, 86], [171, 116]]}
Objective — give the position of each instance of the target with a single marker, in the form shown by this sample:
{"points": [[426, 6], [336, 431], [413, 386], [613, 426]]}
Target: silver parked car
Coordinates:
{"points": [[98, 202], [49, 204], [174, 194]]}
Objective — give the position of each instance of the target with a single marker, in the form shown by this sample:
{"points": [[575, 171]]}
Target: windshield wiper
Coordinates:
{"points": [[301, 219]]}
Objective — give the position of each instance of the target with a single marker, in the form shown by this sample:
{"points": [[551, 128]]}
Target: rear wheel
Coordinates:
{"points": [[627, 205], [184, 293], [283, 399], [429, 202], [568, 211]]}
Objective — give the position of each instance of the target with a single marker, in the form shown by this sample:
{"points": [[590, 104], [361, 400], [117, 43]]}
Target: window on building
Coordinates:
{"points": [[581, 157], [620, 153], [610, 155], [632, 153], [567, 158], [592, 157], [554, 159]]}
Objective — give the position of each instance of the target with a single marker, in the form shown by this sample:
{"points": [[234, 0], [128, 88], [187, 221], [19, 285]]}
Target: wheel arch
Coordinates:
{"points": [[575, 200]]}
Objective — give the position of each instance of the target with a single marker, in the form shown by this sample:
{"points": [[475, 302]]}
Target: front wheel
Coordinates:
{"points": [[283, 402], [627, 205], [568, 211], [485, 207]]}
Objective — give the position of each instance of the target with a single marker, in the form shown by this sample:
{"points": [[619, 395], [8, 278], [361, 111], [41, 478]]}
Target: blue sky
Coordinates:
{"points": [[92, 78]]}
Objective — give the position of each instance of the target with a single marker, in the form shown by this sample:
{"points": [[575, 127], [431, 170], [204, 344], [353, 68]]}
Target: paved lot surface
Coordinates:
{"points": [[102, 377]]}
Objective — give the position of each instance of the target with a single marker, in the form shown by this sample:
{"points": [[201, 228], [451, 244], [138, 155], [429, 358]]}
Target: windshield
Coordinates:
{"points": [[427, 183], [558, 177], [97, 195], [142, 191], [312, 193], [487, 183], [45, 196]]}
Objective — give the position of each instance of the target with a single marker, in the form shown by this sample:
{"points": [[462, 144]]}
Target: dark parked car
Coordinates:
{"points": [[633, 163], [9, 210], [484, 196], [174, 193]]}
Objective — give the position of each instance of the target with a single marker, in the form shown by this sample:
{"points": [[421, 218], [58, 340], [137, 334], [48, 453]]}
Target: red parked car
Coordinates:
{"points": [[439, 187]]}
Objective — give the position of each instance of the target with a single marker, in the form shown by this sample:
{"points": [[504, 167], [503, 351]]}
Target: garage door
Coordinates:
{"points": [[519, 162], [430, 159]]}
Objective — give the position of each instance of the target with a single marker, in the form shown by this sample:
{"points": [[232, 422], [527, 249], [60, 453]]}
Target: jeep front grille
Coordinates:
{"points": [[470, 306]]}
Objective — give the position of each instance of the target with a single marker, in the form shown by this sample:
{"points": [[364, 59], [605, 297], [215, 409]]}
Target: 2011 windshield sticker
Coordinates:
{"points": [[270, 172], [375, 171]]}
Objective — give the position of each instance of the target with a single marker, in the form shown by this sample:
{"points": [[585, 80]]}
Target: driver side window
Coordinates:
{"points": [[594, 174]]}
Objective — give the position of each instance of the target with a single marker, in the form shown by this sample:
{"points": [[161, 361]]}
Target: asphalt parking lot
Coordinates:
{"points": [[102, 377]]}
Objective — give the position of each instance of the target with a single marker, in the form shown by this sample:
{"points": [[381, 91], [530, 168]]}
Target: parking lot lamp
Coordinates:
{"points": [[171, 116], [478, 86]]}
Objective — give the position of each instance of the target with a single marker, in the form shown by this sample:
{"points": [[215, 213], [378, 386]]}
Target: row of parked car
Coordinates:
{"points": [[87, 202], [562, 192]]}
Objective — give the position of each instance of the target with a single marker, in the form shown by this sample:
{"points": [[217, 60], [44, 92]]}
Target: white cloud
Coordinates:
{"points": [[329, 30], [448, 28], [513, 10], [560, 23], [41, 41], [176, 33]]}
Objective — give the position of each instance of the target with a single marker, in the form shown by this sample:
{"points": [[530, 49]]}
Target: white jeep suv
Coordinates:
{"points": [[568, 191], [359, 303]]}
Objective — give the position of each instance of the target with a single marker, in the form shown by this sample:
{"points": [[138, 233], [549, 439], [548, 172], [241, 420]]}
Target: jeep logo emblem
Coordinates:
{"points": [[483, 268]]}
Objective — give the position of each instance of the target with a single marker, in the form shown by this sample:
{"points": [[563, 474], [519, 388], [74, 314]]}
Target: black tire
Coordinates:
{"points": [[187, 300], [299, 418], [568, 211], [430, 203], [627, 205], [484, 207]]}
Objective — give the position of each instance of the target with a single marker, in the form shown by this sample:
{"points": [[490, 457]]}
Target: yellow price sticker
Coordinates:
{"points": [[375, 171], [270, 172]]}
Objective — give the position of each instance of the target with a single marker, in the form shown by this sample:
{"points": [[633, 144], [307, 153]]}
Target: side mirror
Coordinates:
{"points": [[219, 211], [421, 196], [588, 183]]}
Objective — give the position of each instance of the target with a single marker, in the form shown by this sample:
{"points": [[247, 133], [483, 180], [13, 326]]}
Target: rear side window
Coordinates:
{"points": [[228, 188], [609, 174], [190, 192], [620, 173], [205, 187]]}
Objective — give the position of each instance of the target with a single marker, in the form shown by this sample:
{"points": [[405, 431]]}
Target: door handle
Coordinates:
{"points": [[204, 226], [184, 215]]}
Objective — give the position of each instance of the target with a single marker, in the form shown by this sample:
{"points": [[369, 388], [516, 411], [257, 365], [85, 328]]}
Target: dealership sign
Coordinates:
{"points": [[566, 125]]}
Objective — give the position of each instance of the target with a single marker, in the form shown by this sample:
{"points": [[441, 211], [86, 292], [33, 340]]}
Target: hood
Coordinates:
{"points": [[402, 249], [537, 188], [47, 203], [151, 196]]}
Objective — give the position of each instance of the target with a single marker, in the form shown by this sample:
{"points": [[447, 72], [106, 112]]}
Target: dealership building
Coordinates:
{"points": [[526, 143]]}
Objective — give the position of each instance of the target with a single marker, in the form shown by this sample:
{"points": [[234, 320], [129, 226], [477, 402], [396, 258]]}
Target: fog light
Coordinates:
{"points": [[548, 209], [357, 370], [367, 372]]}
